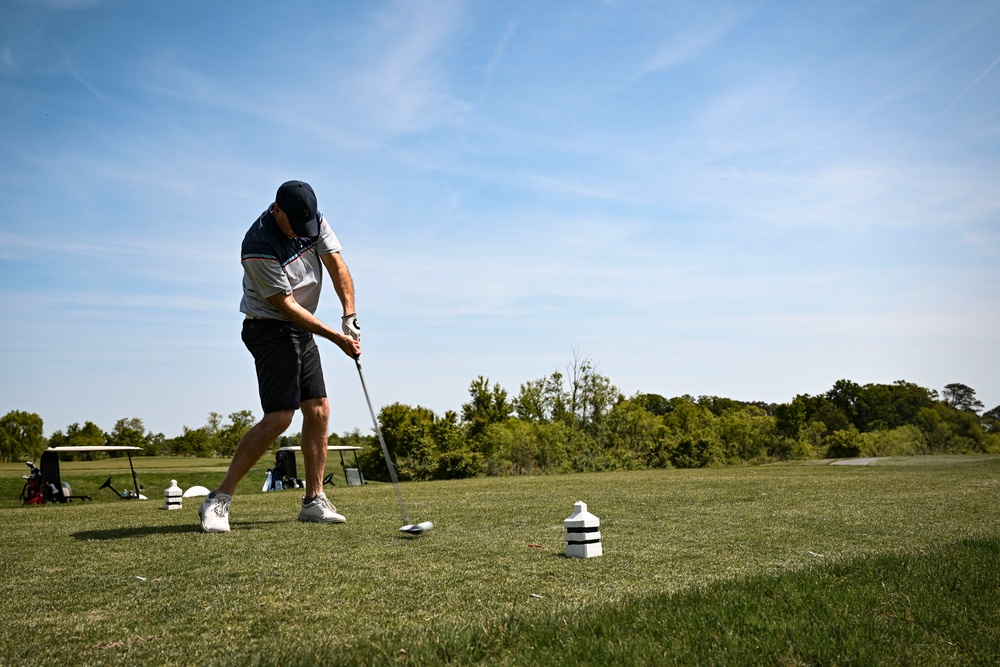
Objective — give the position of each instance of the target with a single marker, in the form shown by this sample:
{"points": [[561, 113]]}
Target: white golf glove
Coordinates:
{"points": [[351, 326]]}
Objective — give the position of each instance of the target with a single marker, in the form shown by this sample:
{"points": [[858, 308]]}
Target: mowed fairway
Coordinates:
{"points": [[893, 563]]}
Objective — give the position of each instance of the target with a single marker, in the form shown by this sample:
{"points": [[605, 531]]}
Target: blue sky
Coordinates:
{"points": [[742, 199]]}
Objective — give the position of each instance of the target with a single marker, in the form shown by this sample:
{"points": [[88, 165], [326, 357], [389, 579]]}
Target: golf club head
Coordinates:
{"points": [[417, 528]]}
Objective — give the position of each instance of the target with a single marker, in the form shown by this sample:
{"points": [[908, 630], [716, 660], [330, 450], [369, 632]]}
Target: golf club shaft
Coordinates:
{"points": [[385, 449]]}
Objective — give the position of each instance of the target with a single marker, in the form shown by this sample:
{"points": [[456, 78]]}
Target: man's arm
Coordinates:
{"points": [[303, 319], [344, 285], [341, 278]]}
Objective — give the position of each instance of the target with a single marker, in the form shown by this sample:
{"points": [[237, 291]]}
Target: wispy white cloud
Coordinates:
{"points": [[576, 188], [129, 256], [902, 151], [404, 87], [91, 88], [61, 5], [124, 303], [687, 42], [164, 77], [499, 53]]}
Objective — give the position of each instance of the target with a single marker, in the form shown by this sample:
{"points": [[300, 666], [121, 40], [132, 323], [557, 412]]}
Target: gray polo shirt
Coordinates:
{"points": [[275, 264]]}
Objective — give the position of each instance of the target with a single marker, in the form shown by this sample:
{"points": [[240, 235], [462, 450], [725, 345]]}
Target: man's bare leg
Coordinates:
{"points": [[315, 420], [253, 445]]}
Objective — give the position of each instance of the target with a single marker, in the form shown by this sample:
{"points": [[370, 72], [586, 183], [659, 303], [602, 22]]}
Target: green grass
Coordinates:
{"points": [[894, 563]]}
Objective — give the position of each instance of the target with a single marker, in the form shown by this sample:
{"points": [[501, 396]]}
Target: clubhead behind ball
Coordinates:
{"points": [[417, 528]]}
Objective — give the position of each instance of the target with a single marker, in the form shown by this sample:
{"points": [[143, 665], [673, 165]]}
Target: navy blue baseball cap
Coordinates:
{"points": [[298, 201]]}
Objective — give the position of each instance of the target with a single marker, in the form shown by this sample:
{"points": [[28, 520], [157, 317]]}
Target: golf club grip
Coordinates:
{"points": [[385, 449]]}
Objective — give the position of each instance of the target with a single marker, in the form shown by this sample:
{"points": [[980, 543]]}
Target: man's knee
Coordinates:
{"points": [[280, 419], [316, 409]]}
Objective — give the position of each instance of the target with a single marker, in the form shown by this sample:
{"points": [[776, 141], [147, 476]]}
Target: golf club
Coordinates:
{"points": [[409, 528]]}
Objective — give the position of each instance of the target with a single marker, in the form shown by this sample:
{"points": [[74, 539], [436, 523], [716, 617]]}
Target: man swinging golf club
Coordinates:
{"points": [[283, 255]]}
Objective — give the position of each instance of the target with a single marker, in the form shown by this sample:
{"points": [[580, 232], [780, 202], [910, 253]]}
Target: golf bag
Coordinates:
{"points": [[285, 470], [33, 492], [53, 488]]}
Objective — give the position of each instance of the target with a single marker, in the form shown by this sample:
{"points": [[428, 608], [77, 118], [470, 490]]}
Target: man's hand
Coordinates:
{"points": [[351, 347], [351, 326], [302, 318]]}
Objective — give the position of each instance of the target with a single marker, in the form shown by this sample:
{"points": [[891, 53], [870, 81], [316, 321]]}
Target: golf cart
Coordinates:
{"points": [[284, 474], [56, 490]]}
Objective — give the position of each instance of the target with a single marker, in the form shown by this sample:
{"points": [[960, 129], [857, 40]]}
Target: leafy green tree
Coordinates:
{"points": [[790, 418], [88, 435], [692, 451], [968, 435], [21, 436], [542, 400], [846, 395], [156, 445], [901, 402], [844, 444], [216, 438], [962, 397], [529, 404], [632, 432], [810, 443], [356, 439], [585, 452], [582, 397], [519, 447], [129, 432], [652, 403], [488, 405], [746, 433], [407, 429], [691, 439], [213, 426], [718, 405], [457, 455], [228, 436], [991, 420], [906, 440], [950, 430], [823, 411], [554, 442], [935, 429], [191, 442], [590, 394], [880, 406], [410, 439]]}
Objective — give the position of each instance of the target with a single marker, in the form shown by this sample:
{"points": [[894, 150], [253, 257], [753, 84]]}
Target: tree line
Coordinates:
{"points": [[21, 437], [577, 420]]}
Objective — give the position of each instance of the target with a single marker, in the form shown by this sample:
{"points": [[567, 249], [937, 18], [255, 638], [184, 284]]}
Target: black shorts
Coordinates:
{"points": [[288, 365]]}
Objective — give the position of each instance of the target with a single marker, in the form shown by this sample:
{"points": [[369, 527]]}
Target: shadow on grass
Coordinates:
{"points": [[145, 531]]}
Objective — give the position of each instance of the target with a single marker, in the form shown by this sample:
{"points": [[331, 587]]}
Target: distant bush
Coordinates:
{"points": [[556, 432], [578, 421], [903, 441]]}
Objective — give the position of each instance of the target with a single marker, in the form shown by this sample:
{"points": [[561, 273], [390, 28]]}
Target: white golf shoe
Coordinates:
{"points": [[214, 513], [320, 510]]}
